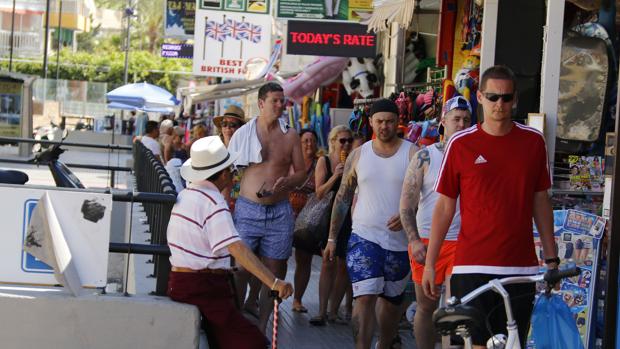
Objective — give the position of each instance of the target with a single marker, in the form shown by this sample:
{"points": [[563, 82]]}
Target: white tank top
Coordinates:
{"points": [[428, 198], [380, 182]]}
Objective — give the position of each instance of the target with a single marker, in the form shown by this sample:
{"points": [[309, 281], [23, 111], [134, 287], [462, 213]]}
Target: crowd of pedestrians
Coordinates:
{"points": [[400, 214]]}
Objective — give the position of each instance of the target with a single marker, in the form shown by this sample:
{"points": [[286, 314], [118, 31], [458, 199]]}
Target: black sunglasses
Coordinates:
{"points": [[346, 140], [229, 124], [494, 97], [262, 192]]}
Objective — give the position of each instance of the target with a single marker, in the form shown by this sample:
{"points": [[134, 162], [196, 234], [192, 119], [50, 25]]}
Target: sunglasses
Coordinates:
{"points": [[346, 140], [494, 97], [262, 192], [229, 124]]}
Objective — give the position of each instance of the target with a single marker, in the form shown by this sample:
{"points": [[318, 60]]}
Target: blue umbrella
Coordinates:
{"points": [[117, 105], [140, 96]]}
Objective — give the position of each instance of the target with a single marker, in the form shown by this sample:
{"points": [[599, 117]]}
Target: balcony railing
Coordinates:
{"points": [[25, 44]]}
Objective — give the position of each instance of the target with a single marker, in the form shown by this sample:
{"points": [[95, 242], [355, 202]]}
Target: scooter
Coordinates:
{"points": [[63, 177]]}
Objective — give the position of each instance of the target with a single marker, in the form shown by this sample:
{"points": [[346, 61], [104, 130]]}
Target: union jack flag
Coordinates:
{"points": [[254, 33], [238, 30], [217, 31]]}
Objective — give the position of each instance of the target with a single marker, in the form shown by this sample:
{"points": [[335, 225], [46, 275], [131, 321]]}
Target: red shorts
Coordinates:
{"points": [[443, 265], [225, 326]]}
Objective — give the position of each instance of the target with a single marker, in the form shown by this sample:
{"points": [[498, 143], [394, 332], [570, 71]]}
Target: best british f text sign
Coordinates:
{"points": [[330, 39]]}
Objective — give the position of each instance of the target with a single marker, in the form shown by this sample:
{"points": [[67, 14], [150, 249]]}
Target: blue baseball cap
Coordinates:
{"points": [[458, 102]]}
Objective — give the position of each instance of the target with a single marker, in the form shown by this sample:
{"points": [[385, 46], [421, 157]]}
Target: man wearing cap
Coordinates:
{"points": [[500, 172], [227, 124], [418, 195], [268, 149], [202, 239], [377, 259]]}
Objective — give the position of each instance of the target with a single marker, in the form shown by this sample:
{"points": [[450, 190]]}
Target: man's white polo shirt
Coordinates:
{"points": [[200, 228]]}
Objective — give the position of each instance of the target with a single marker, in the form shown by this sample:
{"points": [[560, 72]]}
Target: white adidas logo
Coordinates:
{"points": [[480, 160]]}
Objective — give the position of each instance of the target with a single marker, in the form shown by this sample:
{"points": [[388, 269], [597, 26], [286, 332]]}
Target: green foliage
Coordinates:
{"points": [[87, 41], [109, 67]]}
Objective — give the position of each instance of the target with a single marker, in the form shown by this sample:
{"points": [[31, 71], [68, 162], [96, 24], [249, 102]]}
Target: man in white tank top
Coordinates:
{"points": [[418, 195], [377, 259]]}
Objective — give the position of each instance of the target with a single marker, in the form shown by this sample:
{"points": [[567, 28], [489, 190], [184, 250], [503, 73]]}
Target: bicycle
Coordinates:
{"points": [[457, 318]]}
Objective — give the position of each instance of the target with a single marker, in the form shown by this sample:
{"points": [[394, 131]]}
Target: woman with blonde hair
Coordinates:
{"points": [[198, 131], [334, 279]]}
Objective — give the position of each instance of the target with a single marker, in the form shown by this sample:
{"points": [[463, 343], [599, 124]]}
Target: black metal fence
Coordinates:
{"points": [[152, 177]]}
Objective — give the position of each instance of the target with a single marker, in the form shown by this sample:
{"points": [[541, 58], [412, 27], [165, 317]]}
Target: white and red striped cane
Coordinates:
{"points": [[274, 333]]}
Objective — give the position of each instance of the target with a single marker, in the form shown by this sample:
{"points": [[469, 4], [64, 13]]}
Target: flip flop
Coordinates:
{"points": [[317, 321], [300, 309], [337, 320]]}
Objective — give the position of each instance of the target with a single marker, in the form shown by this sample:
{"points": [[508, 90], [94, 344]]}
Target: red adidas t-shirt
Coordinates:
{"points": [[496, 178]]}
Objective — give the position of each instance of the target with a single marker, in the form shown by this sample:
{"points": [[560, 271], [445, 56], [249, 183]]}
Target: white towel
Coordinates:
{"points": [[245, 142]]}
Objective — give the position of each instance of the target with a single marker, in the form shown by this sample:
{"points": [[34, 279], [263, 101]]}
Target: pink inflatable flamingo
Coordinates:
{"points": [[321, 72]]}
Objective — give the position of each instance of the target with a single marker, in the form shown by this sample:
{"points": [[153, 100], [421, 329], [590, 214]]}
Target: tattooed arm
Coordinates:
{"points": [[409, 200], [342, 202]]}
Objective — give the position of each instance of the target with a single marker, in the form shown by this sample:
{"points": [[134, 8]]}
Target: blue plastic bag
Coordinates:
{"points": [[553, 324]]}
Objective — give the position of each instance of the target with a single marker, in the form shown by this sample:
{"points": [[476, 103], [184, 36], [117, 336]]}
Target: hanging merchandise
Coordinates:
{"points": [[327, 122], [358, 121], [578, 238], [321, 72], [553, 326], [584, 82], [472, 26], [415, 53], [360, 77], [304, 119], [446, 37]]}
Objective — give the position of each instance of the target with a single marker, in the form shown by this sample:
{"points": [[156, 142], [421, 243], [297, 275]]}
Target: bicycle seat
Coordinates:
{"points": [[13, 177], [448, 319]]}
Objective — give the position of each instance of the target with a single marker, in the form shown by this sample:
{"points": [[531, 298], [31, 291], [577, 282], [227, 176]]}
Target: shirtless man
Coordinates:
{"points": [[263, 214]]}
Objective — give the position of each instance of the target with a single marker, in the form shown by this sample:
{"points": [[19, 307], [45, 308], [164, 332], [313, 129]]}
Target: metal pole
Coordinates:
{"points": [[45, 42], [128, 13], [12, 37], [613, 251], [58, 35]]}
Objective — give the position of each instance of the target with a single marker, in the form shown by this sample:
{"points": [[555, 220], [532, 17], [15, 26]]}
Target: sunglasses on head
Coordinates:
{"points": [[229, 124], [346, 140], [494, 97]]}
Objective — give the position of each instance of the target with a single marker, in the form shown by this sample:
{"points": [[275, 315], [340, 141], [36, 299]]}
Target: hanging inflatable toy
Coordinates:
{"points": [[321, 72], [360, 77]]}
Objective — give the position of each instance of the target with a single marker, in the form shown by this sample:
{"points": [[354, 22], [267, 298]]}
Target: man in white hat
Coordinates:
{"points": [[202, 239]]}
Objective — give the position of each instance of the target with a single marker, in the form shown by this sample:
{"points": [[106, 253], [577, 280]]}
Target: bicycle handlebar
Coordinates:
{"points": [[551, 277]]}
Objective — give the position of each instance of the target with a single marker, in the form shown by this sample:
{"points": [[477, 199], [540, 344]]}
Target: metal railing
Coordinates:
{"points": [[25, 44], [112, 147], [155, 191], [152, 177]]}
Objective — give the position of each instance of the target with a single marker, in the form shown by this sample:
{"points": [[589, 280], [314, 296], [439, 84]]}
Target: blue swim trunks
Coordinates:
{"points": [[266, 229], [376, 271]]}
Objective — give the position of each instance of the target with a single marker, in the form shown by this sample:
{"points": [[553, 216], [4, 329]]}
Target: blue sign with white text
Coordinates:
{"points": [[29, 263]]}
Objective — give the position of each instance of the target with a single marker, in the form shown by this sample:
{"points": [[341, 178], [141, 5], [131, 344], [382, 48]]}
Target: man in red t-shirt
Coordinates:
{"points": [[499, 169]]}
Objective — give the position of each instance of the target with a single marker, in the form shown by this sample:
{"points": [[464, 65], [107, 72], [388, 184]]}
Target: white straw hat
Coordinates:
{"points": [[208, 156]]}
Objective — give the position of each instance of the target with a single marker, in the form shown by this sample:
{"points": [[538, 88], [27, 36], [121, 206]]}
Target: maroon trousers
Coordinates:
{"points": [[224, 325]]}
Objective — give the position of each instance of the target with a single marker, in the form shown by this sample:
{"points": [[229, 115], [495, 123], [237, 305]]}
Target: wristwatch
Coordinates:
{"points": [[555, 260]]}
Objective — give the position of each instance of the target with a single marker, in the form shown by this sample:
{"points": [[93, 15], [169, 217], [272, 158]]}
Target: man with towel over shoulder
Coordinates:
{"points": [[268, 148]]}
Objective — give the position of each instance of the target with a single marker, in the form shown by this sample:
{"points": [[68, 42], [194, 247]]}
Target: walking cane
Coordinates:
{"points": [[274, 334]]}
